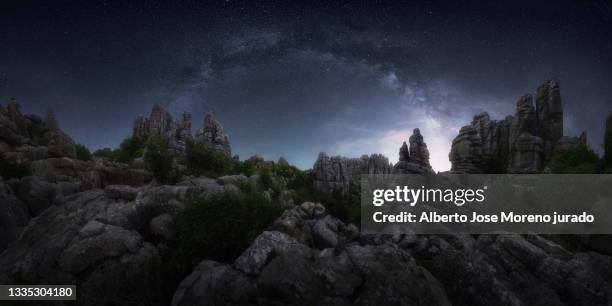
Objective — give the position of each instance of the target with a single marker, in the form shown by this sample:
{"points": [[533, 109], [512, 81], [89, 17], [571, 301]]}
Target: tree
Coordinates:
{"points": [[205, 160], [579, 159], [82, 152], [158, 160]]}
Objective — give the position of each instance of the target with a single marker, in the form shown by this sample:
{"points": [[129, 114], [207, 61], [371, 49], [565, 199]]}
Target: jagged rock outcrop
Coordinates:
{"points": [[212, 134], [13, 215], [309, 257], [338, 176], [285, 266], [111, 243], [161, 124], [28, 137], [522, 143], [178, 133], [550, 115], [413, 160]]}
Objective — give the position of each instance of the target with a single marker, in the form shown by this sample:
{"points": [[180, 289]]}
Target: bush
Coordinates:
{"points": [[105, 153], [223, 225], [129, 149], [158, 160], [579, 159], [9, 169], [205, 160], [82, 152]]}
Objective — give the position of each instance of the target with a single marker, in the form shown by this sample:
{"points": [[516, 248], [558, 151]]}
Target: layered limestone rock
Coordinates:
{"points": [[212, 134], [161, 124], [550, 115], [340, 175], [114, 243], [309, 257], [178, 133], [28, 137], [413, 160], [522, 143]]}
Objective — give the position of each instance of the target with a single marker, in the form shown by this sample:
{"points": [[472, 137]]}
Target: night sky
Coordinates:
{"points": [[292, 80]]}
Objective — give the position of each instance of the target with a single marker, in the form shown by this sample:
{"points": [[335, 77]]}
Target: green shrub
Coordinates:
{"points": [[302, 182], [9, 169], [579, 159], [82, 152], [104, 152], [205, 160], [223, 225], [129, 149], [158, 160]]}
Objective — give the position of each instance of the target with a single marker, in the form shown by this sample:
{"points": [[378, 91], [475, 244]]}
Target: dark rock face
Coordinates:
{"points": [[212, 134], [27, 137], [89, 174], [341, 175], [550, 115], [522, 143], [13, 215], [284, 266], [309, 257], [413, 160], [110, 243]]}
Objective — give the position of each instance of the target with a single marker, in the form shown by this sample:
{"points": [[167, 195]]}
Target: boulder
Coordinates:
{"points": [[121, 192], [280, 268]]}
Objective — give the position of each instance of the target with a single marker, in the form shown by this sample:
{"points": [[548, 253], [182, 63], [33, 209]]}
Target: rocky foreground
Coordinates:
{"points": [[114, 245]]}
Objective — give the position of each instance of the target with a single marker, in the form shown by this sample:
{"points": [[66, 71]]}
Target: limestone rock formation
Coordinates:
{"points": [[413, 160], [550, 115], [523, 143], [112, 242], [27, 137], [178, 133], [212, 134], [285, 266], [340, 175], [161, 124], [309, 257]]}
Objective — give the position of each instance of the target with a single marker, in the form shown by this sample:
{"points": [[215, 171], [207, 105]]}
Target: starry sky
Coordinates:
{"points": [[292, 79]]}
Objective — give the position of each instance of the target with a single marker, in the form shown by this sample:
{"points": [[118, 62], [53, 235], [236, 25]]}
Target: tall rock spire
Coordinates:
{"points": [[414, 159], [212, 134], [550, 115], [419, 153]]}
